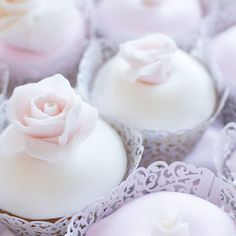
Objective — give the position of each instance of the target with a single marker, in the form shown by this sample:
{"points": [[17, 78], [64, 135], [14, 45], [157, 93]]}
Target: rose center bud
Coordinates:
{"points": [[169, 223], [51, 109]]}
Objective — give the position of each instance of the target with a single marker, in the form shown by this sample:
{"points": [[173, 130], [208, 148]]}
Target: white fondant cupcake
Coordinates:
{"points": [[173, 200], [155, 86], [41, 38], [127, 19], [56, 156]]}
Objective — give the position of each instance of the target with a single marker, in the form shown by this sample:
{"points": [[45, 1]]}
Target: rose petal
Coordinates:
{"points": [[58, 85], [71, 124], [46, 130], [19, 103], [36, 102], [88, 121], [46, 151]]}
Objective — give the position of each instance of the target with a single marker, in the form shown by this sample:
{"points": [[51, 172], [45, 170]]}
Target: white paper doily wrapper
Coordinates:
{"points": [[223, 152], [133, 143], [178, 177], [164, 146]]}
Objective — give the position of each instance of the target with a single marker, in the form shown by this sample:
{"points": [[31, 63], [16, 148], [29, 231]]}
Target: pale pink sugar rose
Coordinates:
{"points": [[149, 58], [51, 117]]}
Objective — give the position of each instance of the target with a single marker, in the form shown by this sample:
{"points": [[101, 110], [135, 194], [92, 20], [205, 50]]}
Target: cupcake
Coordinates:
{"points": [[64, 156], [221, 55], [166, 214], [162, 200], [128, 19], [158, 88], [40, 38]]}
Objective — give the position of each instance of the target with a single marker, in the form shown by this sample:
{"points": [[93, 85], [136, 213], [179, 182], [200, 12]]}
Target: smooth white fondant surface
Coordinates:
{"points": [[133, 18], [185, 100], [136, 218], [35, 189]]}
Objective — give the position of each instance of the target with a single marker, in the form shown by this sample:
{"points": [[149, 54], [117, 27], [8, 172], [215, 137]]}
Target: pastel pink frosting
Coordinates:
{"points": [[42, 55], [125, 19], [184, 215], [223, 53], [51, 117]]}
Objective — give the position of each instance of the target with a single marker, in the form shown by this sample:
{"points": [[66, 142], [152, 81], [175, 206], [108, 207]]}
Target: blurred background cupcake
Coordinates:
{"points": [[159, 200], [64, 157], [153, 85], [41, 38], [219, 50], [122, 20]]}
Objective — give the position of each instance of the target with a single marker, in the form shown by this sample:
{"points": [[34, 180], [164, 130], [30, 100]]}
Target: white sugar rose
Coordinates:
{"points": [[51, 118], [36, 25], [149, 58], [168, 223]]}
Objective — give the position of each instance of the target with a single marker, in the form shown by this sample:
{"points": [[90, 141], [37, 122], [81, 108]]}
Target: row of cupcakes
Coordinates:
{"points": [[49, 37], [32, 127], [178, 199], [61, 158]]}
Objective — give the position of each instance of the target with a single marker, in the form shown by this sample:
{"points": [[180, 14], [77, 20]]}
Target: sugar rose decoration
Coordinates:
{"points": [[168, 223], [149, 58], [51, 118], [36, 25]]}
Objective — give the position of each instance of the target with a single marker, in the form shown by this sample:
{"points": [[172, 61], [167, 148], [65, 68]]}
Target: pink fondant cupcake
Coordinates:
{"points": [[128, 19], [41, 38], [220, 51], [175, 200]]}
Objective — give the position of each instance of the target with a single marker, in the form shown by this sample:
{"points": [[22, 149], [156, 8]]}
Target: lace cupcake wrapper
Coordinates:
{"points": [[133, 143], [177, 177], [164, 146], [223, 151]]}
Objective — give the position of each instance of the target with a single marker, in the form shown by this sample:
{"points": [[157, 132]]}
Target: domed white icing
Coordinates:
{"points": [[36, 189], [195, 217], [183, 100], [127, 19]]}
